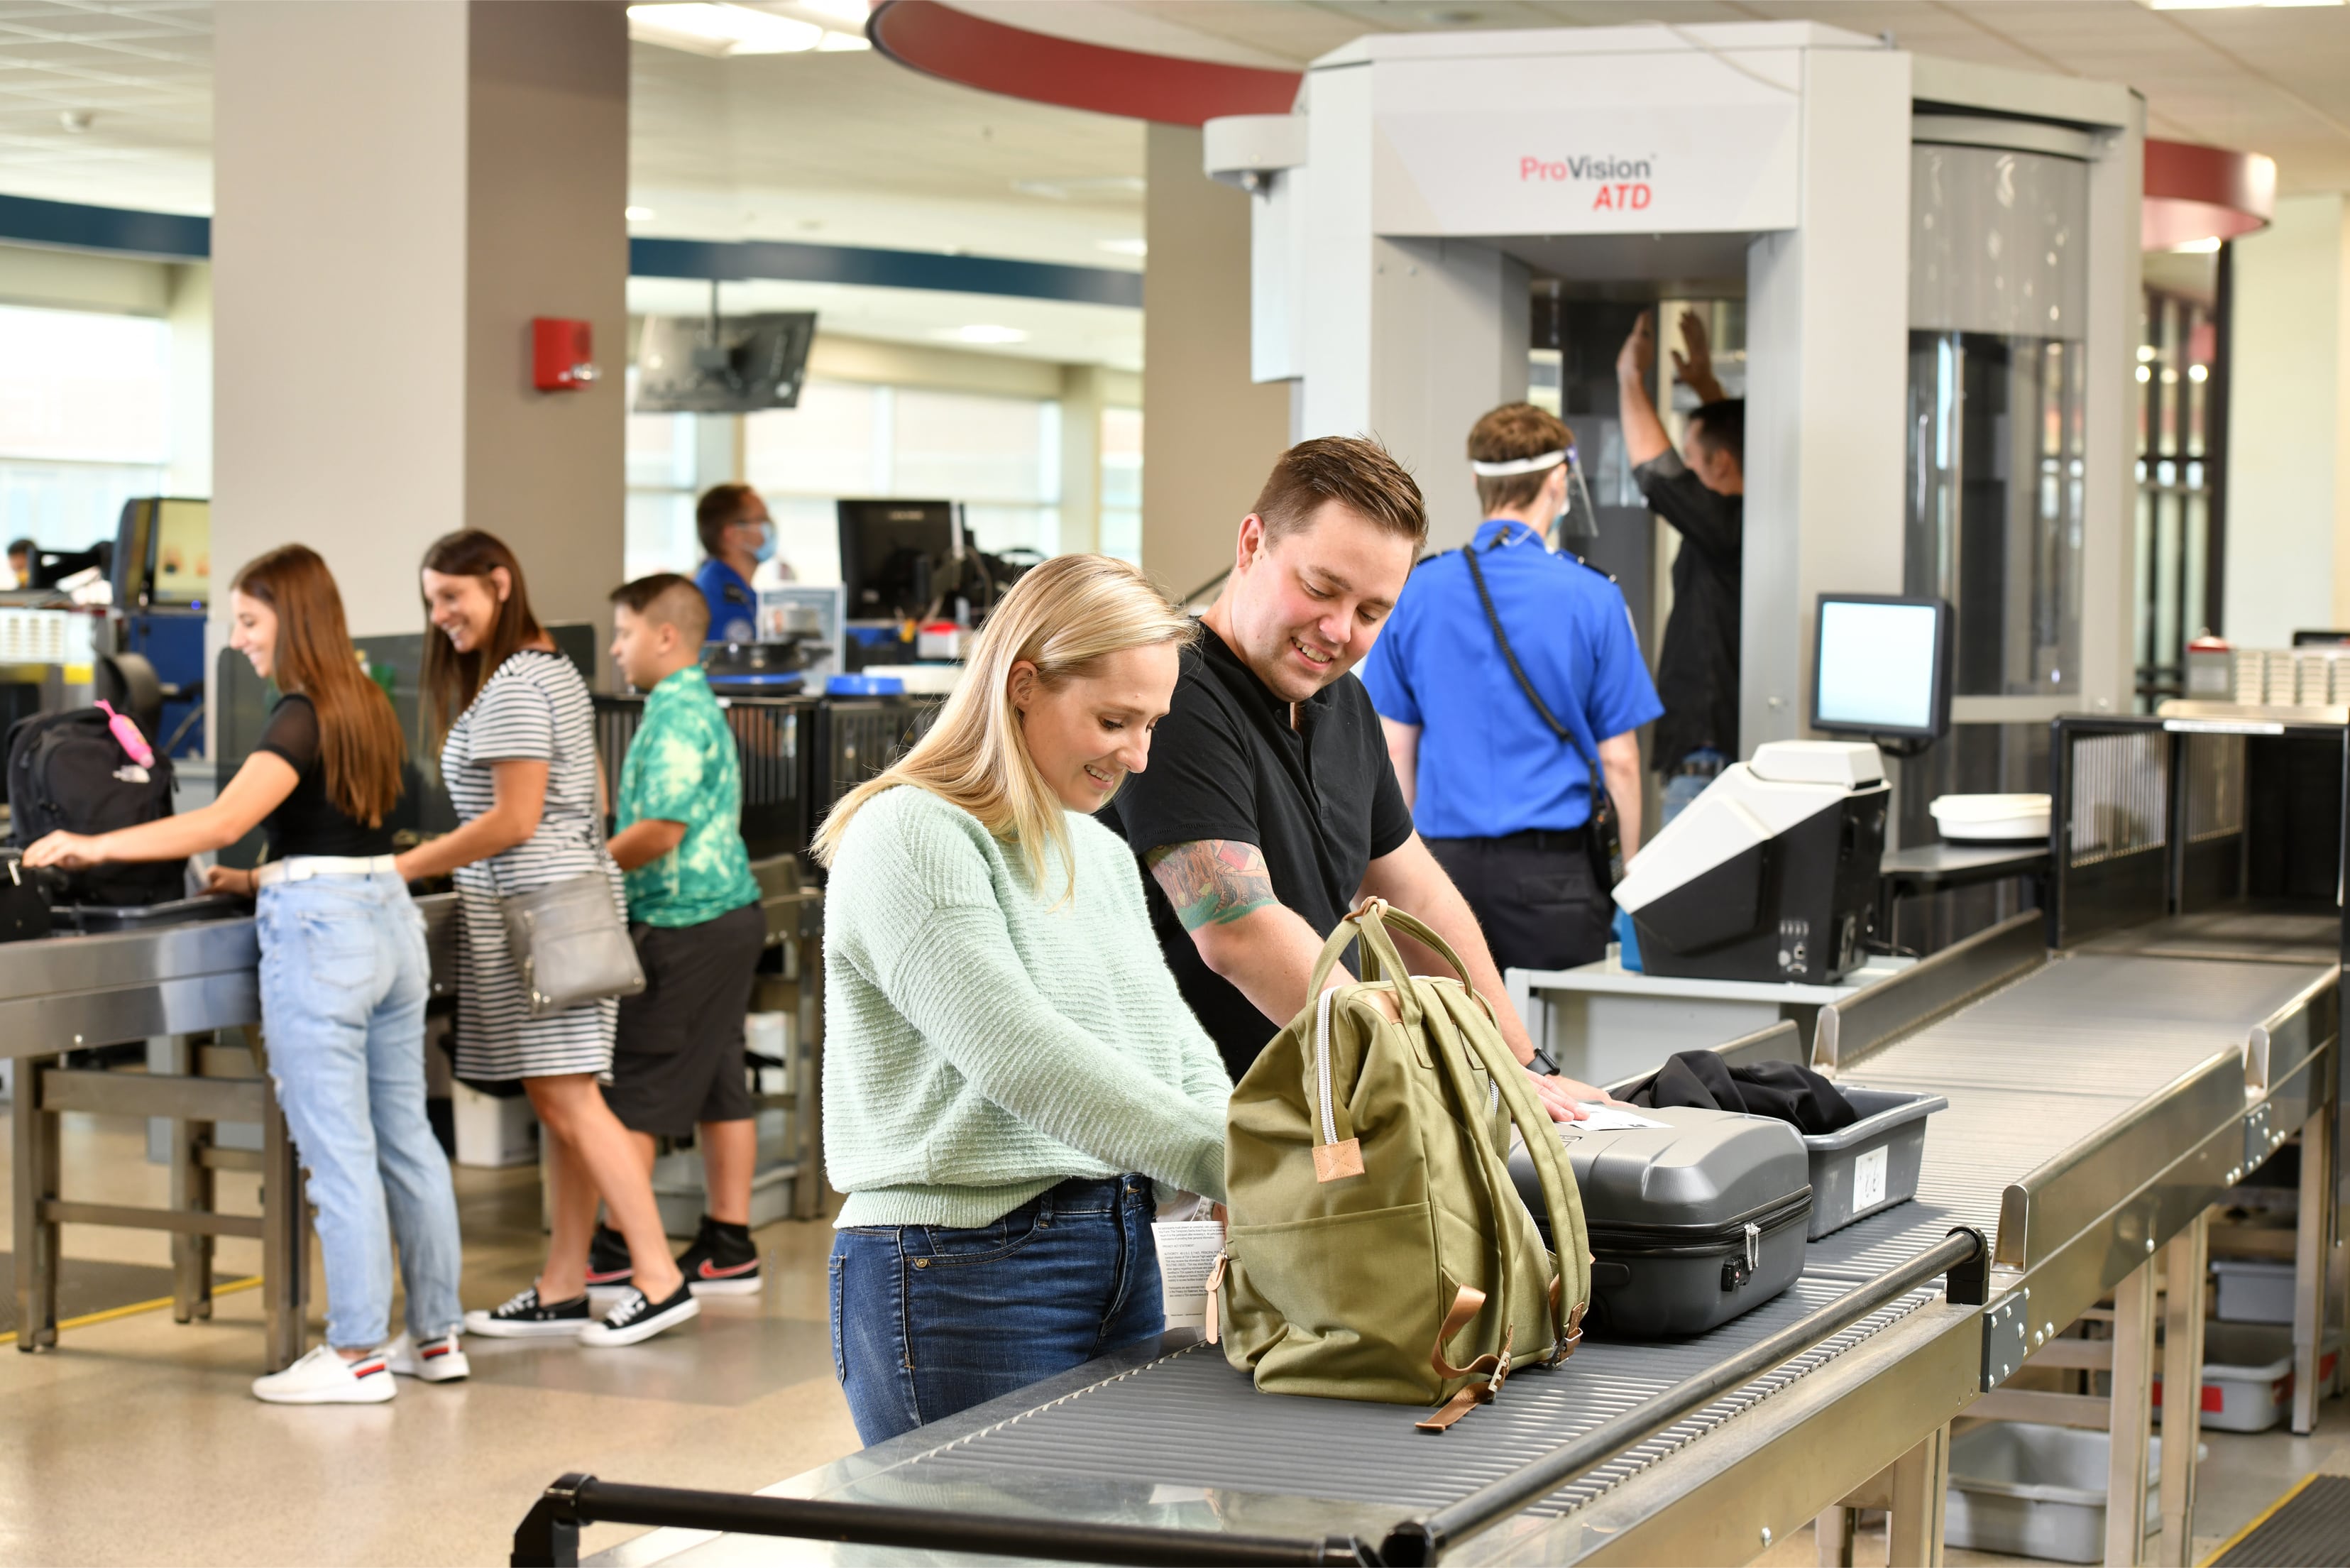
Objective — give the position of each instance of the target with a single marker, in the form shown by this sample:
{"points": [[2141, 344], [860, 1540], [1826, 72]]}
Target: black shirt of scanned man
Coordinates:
{"points": [[1319, 800]]}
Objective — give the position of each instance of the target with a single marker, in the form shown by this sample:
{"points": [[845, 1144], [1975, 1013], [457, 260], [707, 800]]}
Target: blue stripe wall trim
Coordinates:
{"points": [[748, 259], [170, 235], [173, 237]]}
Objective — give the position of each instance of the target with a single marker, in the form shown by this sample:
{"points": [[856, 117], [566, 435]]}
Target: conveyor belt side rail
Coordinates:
{"points": [[2040, 1214], [1932, 988], [549, 1534]]}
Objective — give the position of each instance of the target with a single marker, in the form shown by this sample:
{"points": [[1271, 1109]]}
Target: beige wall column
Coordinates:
{"points": [[2289, 425], [400, 188], [1082, 398], [1208, 435]]}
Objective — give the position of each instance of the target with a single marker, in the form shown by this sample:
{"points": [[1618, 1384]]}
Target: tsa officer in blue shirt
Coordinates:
{"points": [[737, 535], [1501, 801]]}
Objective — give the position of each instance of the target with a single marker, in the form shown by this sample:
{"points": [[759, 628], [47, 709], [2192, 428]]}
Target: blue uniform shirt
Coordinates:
{"points": [[733, 607], [1489, 766]]}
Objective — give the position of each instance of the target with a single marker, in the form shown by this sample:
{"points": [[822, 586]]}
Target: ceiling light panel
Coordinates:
{"points": [[721, 29]]}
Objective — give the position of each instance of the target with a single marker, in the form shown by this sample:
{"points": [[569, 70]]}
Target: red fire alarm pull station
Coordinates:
{"points": [[562, 354]]}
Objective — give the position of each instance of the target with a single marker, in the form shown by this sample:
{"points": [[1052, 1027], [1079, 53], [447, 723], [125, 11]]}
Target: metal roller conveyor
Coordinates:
{"points": [[174, 982], [2099, 1103], [180, 983]]}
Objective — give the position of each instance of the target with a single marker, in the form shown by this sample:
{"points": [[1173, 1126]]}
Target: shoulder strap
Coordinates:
{"points": [[1509, 655]]}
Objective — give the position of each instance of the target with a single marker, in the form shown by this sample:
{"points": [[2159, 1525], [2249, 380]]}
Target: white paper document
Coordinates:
{"points": [[1868, 1179], [1597, 1117], [1187, 1254]]}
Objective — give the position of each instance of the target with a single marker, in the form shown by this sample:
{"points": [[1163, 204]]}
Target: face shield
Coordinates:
{"points": [[1576, 527]]}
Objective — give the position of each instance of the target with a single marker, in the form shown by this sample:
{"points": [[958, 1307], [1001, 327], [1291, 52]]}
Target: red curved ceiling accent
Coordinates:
{"points": [[2196, 192], [958, 46], [2192, 192]]}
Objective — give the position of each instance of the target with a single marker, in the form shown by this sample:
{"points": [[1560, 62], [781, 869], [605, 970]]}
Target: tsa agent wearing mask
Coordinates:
{"points": [[739, 537], [1502, 800]]}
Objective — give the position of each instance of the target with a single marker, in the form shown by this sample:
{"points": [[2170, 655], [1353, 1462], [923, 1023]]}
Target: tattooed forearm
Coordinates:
{"points": [[1212, 881]]}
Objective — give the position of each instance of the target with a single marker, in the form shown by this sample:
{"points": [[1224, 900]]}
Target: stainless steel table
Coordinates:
{"points": [[1939, 867], [1602, 1022]]}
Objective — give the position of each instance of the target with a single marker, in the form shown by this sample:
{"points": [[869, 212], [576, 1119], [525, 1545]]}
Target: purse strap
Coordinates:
{"points": [[1603, 805], [1510, 657]]}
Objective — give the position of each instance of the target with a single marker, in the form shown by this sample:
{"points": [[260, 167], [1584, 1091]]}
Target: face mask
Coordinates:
{"points": [[765, 550]]}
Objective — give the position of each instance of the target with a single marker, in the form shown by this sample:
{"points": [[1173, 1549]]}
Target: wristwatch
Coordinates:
{"points": [[1541, 1065]]}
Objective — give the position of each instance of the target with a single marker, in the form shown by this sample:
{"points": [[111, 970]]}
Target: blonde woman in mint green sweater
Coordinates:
{"points": [[1009, 1070]]}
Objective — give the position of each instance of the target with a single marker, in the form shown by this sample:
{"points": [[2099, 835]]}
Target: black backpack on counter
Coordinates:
{"points": [[67, 772]]}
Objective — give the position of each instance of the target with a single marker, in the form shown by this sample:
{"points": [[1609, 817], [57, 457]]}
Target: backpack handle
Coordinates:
{"points": [[1335, 1152]]}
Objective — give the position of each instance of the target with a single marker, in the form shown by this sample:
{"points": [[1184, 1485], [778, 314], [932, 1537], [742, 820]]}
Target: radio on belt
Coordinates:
{"points": [[1770, 874]]}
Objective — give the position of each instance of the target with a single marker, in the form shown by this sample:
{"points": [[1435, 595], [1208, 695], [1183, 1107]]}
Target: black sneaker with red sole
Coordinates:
{"points": [[722, 1261], [608, 1265]]}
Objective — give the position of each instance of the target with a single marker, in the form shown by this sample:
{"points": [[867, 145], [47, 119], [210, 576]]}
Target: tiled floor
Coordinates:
{"points": [[137, 1443]]}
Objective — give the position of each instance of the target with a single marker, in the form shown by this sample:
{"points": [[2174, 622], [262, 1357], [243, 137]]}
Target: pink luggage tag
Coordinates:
{"points": [[127, 735]]}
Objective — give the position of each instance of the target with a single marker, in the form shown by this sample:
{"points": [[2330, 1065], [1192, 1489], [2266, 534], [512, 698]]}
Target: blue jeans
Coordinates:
{"points": [[926, 1321], [344, 979], [1682, 788]]}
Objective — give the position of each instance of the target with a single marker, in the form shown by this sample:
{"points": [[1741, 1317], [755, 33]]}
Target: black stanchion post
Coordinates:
{"points": [[548, 1535]]}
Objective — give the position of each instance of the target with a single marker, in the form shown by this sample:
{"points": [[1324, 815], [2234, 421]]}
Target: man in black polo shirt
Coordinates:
{"points": [[1270, 805]]}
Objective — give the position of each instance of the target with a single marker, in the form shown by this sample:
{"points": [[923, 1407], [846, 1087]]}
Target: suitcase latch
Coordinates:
{"points": [[1736, 1272]]}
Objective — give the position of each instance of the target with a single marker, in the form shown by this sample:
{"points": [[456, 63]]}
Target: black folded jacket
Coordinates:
{"points": [[1781, 1090]]}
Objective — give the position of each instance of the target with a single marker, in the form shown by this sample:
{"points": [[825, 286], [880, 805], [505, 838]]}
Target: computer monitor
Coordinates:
{"points": [[730, 365], [1881, 666], [899, 558], [163, 553]]}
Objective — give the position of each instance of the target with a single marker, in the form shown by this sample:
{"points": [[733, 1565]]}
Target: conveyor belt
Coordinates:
{"points": [[2067, 1056], [1178, 1421], [2037, 1067], [2248, 932]]}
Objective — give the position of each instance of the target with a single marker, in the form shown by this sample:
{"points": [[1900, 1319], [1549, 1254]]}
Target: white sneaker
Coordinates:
{"points": [[324, 1377], [440, 1360]]}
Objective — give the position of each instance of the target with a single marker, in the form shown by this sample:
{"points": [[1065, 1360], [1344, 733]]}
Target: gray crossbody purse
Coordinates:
{"points": [[571, 944]]}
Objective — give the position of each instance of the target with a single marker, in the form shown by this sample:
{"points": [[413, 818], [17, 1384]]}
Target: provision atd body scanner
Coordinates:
{"points": [[1770, 874], [1893, 224]]}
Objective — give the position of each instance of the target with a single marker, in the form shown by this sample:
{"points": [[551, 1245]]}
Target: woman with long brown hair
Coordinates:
{"points": [[344, 979], [519, 758]]}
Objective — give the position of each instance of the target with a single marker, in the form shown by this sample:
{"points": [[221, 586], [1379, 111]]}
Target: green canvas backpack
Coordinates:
{"points": [[1377, 1248]]}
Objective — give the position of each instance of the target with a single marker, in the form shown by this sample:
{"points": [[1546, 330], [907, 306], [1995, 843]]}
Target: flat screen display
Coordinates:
{"points": [[1881, 666], [183, 552]]}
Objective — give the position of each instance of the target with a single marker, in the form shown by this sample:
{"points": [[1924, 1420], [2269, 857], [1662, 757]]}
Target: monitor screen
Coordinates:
{"points": [[897, 557], [736, 364], [183, 552], [1882, 666]]}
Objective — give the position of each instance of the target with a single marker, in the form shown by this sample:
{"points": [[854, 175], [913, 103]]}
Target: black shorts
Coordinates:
{"points": [[677, 1059]]}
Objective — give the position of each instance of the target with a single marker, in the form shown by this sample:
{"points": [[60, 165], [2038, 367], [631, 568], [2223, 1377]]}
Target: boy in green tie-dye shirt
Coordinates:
{"points": [[693, 908]]}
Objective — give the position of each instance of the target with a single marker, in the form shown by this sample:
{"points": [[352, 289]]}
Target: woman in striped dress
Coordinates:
{"points": [[519, 763]]}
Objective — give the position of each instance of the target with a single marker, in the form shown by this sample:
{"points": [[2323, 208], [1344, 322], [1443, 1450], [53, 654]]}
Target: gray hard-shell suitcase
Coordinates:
{"points": [[1693, 1223]]}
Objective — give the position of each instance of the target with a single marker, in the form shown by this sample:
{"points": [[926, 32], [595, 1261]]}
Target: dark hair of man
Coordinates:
{"points": [[1510, 433], [665, 599], [22, 547], [720, 506], [1721, 426], [1353, 471], [455, 679], [360, 742]]}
